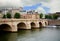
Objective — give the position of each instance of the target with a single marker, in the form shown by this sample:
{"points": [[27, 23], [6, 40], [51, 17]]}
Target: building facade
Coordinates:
{"points": [[24, 14]]}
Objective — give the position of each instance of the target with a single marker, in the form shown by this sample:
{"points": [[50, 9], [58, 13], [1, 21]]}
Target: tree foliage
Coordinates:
{"points": [[55, 16], [4, 16], [8, 15], [17, 15], [41, 15], [48, 17]]}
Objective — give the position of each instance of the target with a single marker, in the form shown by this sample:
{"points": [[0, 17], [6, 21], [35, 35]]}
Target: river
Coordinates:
{"points": [[44, 34]]}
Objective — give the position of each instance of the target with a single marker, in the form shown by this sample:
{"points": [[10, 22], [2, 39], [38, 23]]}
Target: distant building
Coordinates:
{"points": [[24, 14], [30, 16], [58, 13], [1, 15], [12, 11]]}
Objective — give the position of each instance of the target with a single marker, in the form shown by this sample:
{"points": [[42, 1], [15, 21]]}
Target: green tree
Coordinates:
{"points": [[8, 15], [55, 16], [48, 17], [4, 16], [41, 15], [17, 15]]}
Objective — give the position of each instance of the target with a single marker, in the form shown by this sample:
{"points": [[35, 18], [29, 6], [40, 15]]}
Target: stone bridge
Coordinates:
{"points": [[14, 24]]}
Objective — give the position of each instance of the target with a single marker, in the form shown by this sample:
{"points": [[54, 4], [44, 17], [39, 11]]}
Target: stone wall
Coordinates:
{"points": [[54, 22]]}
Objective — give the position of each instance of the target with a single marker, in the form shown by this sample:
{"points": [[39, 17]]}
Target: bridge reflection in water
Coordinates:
{"points": [[44, 34], [5, 36]]}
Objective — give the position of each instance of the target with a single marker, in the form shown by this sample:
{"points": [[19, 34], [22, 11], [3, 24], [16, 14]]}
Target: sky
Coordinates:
{"points": [[41, 6]]}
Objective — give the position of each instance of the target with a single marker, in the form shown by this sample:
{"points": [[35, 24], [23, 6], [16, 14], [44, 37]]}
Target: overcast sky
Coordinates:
{"points": [[45, 5]]}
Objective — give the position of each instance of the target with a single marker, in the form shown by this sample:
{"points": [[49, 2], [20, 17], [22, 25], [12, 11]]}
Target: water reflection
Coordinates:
{"points": [[25, 34], [44, 34], [8, 36]]}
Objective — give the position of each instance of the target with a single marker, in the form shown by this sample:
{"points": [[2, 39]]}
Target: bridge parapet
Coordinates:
{"points": [[23, 20]]}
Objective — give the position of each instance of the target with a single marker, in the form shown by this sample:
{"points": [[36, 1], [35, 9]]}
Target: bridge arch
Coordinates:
{"points": [[5, 27], [40, 24], [33, 25], [21, 25], [46, 23]]}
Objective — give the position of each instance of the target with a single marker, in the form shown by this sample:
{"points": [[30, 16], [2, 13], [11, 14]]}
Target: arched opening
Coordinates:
{"points": [[21, 25], [45, 23], [40, 25], [5, 27], [33, 25]]}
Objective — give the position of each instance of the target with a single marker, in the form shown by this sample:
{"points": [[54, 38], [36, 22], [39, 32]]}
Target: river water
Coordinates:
{"points": [[44, 34]]}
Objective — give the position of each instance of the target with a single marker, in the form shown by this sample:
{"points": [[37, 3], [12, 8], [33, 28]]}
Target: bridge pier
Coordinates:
{"points": [[37, 25], [28, 26], [43, 24], [14, 28]]}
